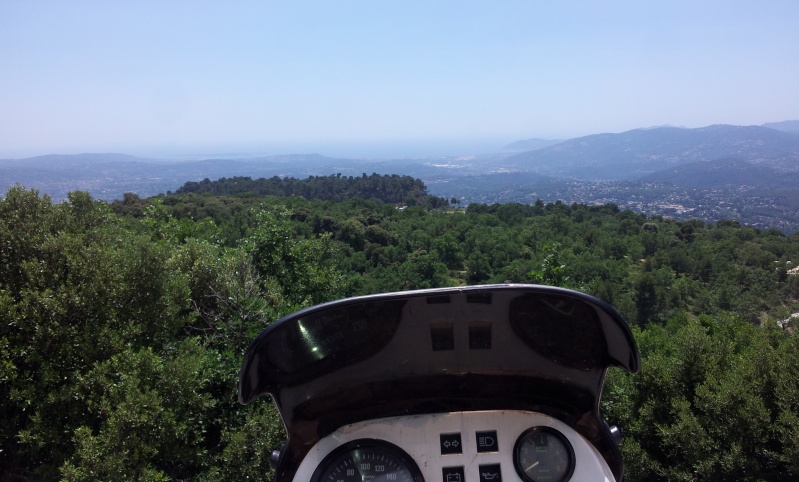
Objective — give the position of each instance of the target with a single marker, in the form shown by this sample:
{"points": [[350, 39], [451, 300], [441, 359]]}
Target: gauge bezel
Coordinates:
{"points": [[396, 451], [551, 431]]}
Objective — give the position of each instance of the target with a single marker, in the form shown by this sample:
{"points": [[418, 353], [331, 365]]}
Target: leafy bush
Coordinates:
{"points": [[716, 399]]}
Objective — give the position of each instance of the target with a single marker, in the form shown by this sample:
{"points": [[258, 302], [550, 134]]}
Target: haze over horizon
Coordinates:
{"points": [[367, 79]]}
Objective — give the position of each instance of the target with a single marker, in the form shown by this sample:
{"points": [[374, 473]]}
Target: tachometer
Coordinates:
{"points": [[367, 459], [542, 454]]}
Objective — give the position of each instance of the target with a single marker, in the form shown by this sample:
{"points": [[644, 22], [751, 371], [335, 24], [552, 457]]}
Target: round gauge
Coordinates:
{"points": [[367, 459], [542, 454]]}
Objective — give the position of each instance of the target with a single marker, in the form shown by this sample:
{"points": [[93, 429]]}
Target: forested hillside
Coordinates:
{"points": [[386, 188], [123, 325]]}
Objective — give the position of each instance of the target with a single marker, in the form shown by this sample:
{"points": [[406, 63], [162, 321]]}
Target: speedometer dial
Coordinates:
{"points": [[542, 454], [367, 459]]}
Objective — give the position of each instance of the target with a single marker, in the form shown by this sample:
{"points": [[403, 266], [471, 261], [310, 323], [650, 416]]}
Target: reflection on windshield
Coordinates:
{"points": [[330, 339]]}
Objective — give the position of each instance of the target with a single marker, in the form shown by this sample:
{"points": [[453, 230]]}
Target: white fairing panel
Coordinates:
{"points": [[420, 436]]}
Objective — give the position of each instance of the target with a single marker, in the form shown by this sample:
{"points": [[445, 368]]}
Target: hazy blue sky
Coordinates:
{"points": [[334, 77]]}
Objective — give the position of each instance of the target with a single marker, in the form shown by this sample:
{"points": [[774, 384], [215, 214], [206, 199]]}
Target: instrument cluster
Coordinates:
{"points": [[486, 446]]}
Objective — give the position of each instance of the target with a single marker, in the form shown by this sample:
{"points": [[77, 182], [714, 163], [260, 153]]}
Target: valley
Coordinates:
{"points": [[747, 174]]}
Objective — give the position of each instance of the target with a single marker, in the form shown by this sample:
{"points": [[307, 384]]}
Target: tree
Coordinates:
{"points": [[553, 271], [447, 250], [714, 401], [303, 270], [422, 270], [478, 268], [78, 289], [150, 409]]}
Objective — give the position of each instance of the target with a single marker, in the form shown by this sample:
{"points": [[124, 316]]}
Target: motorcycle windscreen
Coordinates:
{"points": [[522, 347], [552, 332]]}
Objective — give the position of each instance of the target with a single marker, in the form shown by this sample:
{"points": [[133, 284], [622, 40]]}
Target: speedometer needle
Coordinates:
{"points": [[530, 467]]}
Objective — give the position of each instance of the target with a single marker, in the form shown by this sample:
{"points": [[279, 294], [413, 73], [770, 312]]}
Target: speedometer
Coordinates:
{"points": [[367, 459]]}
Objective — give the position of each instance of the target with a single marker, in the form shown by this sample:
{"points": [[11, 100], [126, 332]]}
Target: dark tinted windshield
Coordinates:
{"points": [[533, 331]]}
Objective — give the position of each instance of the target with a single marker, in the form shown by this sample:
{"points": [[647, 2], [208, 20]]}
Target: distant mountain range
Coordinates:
{"points": [[530, 144], [784, 126], [753, 168], [642, 152], [725, 173]]}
